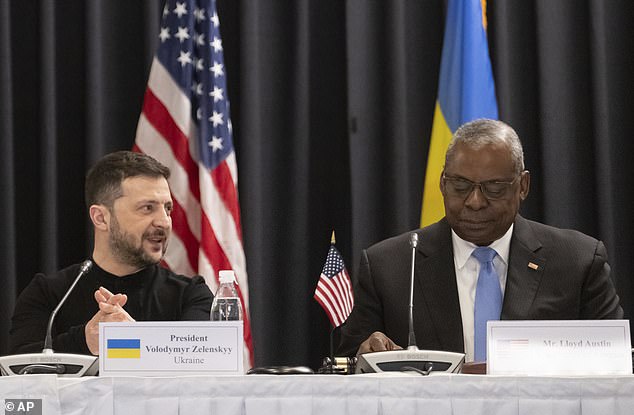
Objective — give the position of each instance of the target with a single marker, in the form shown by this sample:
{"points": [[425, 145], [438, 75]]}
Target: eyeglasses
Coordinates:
{"points": [[492, 190]]}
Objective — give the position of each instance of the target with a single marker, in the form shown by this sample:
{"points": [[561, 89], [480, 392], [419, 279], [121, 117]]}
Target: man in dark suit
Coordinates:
{"points": [[539, 272]]}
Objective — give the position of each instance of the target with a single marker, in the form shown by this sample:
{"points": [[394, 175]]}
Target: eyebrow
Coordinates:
{"points": [[154, 202], [503, 180]]}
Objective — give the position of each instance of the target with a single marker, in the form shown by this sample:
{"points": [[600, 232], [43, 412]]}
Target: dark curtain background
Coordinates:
{"points": [[332, 106]]}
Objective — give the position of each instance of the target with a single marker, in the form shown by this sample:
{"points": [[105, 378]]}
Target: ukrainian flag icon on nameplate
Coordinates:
{"points": [[124, 349]]}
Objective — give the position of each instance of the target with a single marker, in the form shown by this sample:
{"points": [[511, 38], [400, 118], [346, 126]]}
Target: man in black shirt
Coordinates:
{"points": [[129, 204]]}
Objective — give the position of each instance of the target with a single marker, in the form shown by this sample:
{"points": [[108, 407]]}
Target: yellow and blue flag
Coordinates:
{"points": [[124, 349], [466, 92]]}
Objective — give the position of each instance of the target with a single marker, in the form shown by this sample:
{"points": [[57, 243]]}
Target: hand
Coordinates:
{"points": [[110, 309], [377, 342], [102, 295]]}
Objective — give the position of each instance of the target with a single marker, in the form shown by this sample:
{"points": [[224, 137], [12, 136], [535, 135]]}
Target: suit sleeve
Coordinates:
{"points": [[367, 314], [197, 299], [599, 299]]}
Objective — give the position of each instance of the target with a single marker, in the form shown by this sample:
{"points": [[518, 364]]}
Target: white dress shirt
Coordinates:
{"points": [[467, 269]]}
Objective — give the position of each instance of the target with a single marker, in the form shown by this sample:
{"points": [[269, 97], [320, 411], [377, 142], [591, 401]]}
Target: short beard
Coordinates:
{"points": [[123, 247]]}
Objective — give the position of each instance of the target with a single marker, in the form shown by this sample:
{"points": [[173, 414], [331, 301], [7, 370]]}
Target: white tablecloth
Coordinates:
{"points": [[327, 394]]}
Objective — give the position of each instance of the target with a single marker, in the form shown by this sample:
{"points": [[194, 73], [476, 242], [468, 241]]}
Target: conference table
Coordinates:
{"points": [[388, 393]]}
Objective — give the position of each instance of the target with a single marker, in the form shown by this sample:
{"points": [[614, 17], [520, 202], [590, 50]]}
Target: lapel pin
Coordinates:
{"points": [[532, 265]]}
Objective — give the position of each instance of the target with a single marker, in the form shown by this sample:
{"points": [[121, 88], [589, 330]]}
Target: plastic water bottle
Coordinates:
{"points": [[226, 305]]}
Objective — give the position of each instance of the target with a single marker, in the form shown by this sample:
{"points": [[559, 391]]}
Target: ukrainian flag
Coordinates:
{"points": [[465, 92], [124, 349]]}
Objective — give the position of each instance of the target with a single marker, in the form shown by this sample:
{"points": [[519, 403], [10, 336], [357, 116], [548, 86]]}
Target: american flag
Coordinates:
{"points": [[334, 291], [185, 124]]}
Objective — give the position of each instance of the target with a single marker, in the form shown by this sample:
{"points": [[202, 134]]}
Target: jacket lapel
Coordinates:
{"points": [[525, 271], [436, 283]]}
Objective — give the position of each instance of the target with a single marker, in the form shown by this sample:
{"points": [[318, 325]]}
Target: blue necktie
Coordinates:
{"points": [[488, 300]]}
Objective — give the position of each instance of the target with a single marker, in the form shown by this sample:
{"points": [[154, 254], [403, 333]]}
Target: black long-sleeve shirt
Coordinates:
{"points": [[154, 294]]}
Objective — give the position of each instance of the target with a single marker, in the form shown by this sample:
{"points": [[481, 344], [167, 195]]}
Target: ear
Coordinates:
{"points": [[525, 184], [442, 183], [100, 217]]}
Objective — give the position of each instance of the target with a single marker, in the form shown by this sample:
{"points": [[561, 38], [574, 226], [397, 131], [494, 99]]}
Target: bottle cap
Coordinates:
{"points": [[226, 276]]}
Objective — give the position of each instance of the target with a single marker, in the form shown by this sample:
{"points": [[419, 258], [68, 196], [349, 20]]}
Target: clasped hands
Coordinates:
{"points": [[110, 309]]}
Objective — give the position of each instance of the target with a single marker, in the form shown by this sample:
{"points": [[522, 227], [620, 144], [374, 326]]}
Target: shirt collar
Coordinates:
{"points": [[462, 249]]}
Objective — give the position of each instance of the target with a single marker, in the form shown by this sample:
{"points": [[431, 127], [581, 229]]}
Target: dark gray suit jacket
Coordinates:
{"points": [[572, 281]]}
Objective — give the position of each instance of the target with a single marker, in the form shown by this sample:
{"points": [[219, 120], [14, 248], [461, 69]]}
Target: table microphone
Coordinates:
{"points": [[62, 364], [411, 359]]}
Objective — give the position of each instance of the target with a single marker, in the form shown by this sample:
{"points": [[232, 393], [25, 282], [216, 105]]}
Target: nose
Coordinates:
{"points": [[476, 199], [162, 219]]}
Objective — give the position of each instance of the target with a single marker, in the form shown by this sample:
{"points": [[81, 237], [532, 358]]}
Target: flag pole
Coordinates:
{"points": [[332, 329], [334, 294]]}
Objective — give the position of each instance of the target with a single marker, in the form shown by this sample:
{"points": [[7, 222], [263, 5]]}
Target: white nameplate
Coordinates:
{"points": [[169, 348], [554, 347]]}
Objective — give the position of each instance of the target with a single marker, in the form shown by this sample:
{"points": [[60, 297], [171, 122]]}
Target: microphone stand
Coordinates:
{"points": [[48, 340], [411, 359], [62, 364], [411, 337]]}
